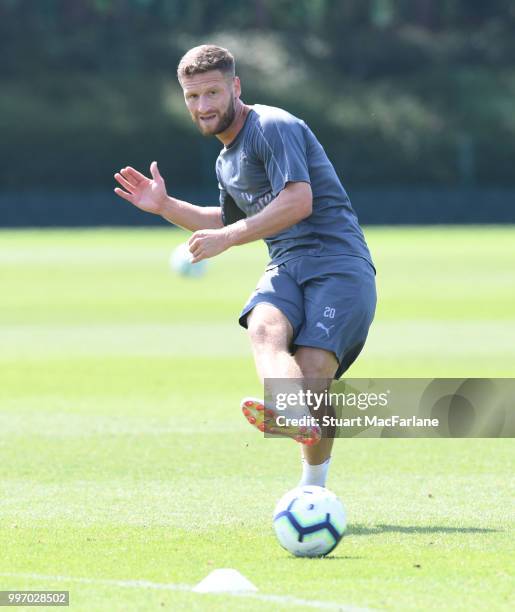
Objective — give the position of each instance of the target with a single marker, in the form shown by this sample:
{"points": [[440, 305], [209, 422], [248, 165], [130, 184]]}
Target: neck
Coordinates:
{"points": [[240, 114]]}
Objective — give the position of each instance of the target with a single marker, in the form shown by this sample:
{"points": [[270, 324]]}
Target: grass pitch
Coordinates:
{"points": [[127, 473]]}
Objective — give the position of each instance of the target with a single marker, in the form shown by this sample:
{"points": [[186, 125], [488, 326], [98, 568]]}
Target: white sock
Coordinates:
{"points": [[314, 474]]}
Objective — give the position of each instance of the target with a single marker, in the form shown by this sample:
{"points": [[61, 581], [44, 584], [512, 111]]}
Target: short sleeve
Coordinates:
{"points": [[281, 146]]}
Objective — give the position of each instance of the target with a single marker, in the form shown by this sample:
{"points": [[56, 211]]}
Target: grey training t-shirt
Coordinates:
{"points": [[272, 149]]}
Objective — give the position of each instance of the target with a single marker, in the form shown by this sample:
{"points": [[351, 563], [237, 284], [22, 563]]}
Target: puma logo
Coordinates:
{"points": [[326, 329]]}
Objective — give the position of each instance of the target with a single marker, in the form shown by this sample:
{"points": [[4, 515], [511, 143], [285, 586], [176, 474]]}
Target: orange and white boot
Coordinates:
{"points": [[265, 419]]}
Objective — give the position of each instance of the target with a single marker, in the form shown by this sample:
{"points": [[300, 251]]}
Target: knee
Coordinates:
{"points": [[266, 325], [263, 332], [316, 363]]}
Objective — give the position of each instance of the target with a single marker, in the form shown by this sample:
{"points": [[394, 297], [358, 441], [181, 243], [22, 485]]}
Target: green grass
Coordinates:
{"points": [[123, 455]]}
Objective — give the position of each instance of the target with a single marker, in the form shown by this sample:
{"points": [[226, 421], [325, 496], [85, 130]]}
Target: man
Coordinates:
{"points": [[309, 316]]}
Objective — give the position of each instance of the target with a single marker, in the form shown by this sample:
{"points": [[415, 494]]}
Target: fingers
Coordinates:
{"points": [[195, 248], [197, 251], [123, 194], [195, 245], [124, 182], [154, 171], [133, 175], [195, 238]]}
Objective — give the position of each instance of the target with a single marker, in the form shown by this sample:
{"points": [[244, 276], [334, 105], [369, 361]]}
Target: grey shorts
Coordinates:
{"points": [[330, 302]]}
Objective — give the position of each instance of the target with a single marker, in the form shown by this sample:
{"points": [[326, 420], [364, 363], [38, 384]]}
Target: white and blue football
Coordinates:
{"points": [[309, 521], [180, 262]]}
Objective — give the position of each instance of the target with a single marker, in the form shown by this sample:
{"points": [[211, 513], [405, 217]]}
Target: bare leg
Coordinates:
{"points": [[271, 334], [312, 369], [319, 366]]}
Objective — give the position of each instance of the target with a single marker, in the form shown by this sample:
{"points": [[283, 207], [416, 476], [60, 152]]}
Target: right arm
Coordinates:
{"points": [[150, 195], [190, 216]]}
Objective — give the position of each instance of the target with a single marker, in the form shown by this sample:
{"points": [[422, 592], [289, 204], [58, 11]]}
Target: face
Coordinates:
{"points": [[210, 98]]}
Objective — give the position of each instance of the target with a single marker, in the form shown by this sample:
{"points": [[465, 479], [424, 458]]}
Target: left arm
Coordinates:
{"points": [[292, 204]]}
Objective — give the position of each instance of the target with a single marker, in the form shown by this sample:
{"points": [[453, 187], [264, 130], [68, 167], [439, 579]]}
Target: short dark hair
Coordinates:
{"points": [[205, 58]]}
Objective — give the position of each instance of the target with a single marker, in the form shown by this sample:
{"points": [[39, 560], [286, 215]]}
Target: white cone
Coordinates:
{"points": [[223, 580]]}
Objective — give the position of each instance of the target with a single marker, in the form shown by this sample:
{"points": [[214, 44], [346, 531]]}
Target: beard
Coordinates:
{"points": [[222, 124]]}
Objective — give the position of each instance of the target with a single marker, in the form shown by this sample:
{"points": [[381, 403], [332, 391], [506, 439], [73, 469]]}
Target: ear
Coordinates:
{"points": [[237, 86]]}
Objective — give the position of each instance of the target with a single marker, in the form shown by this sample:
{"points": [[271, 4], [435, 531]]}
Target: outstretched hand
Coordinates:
{"points": [[145, 193]]}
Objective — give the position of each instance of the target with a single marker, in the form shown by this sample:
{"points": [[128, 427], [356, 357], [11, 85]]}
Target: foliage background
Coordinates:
{"points": [[403, 94]]}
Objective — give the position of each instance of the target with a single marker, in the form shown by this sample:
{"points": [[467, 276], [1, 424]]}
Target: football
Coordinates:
{"points": [[180, 262], [309, 521]]}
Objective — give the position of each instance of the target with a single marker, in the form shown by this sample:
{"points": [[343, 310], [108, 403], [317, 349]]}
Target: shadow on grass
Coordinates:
{"points": [[330, 557], [378, 529]]}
